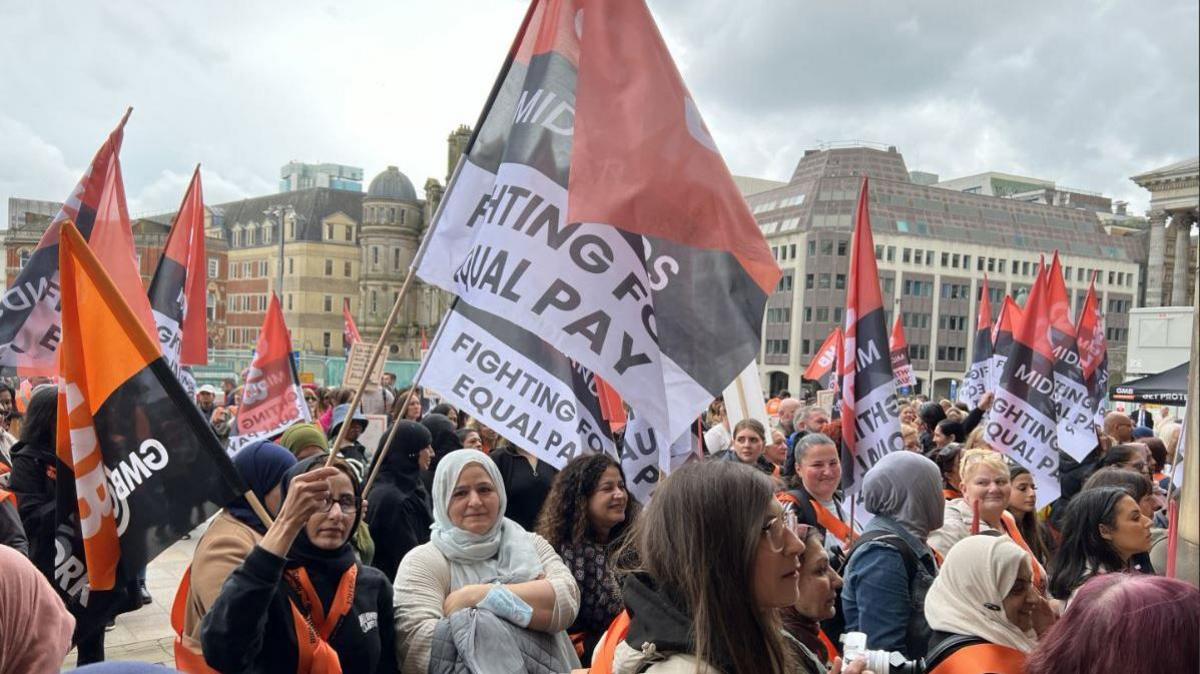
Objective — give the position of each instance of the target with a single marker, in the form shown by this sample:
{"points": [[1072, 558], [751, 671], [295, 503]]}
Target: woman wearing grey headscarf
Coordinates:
{"points": [[891, 566], [477, 558]]}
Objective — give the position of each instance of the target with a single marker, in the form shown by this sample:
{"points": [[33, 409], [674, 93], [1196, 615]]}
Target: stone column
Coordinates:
{"points": [[1156, 259], [1182, 224]]}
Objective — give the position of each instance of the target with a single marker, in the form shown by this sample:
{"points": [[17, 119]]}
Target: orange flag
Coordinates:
{"points": [[136, 460]]}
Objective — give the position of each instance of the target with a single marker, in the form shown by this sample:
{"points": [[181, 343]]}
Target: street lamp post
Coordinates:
{"points": [[281, 213]]}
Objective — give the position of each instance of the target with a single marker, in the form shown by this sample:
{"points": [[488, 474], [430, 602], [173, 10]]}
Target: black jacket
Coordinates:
{"points": [[399, 520], [250, 626], [34, 485], [12, 533]]}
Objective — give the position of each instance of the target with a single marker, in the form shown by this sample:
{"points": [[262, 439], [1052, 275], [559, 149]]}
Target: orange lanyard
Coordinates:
{"points": [[313, 627]]}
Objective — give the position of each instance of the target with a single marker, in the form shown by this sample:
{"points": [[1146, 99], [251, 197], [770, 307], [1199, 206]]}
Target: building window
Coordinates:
{"points": [[907, 256], [374, 256], [823, 282], [349, 233], [214, 268], [396, 256], [346, 268], [289, 301], [291, 266], [403, 212], [329, 232], [841, 248], [374, 303], [325, 339], [328, 267], [822, 314], [328, 303], [827, 247], [839, 282], [812, 247], [878, 252], [919, 257], [837, 314], [808, 281], [807, 314]]}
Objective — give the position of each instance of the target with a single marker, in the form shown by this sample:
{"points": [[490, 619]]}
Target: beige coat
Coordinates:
{"points": [[223, 548], [423, 583]]}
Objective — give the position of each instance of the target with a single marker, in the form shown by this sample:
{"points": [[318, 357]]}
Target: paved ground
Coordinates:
{"points": [[146, 634]]}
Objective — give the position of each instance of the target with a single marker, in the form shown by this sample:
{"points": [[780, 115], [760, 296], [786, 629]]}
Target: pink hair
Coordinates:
{"points": [[1122, 622]]}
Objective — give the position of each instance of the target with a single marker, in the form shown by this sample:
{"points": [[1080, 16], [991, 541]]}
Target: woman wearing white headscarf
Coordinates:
{"points": [[476, 557], [982, 608]]}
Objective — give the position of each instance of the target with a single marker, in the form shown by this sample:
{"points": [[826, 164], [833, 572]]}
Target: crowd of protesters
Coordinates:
{"points": [[470, 554]]}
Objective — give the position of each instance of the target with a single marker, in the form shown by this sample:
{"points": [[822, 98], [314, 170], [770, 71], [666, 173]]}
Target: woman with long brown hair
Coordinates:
{"points": [[584, 519], [718, 559]]}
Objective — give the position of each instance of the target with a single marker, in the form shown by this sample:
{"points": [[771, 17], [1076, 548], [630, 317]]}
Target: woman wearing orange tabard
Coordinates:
{"points": [[983, 609], [986, 488], [301, 602]]}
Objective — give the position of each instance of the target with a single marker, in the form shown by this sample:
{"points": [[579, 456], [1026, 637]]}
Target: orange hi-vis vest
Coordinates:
{"points": [[982, 659], [1014, 532], [313, 627], [186, 660], [602, 660], [829, 521]]}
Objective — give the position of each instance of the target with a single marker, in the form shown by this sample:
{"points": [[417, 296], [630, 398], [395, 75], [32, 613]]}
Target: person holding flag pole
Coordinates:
{"points": [[119, 404]]}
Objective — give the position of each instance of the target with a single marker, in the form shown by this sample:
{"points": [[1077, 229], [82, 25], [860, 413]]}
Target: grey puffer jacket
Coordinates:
{"points": [[477, 641]]}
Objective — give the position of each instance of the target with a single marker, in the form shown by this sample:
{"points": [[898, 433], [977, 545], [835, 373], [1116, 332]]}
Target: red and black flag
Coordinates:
{"points": [[30, 321], [824, 365], [178, 293], [593, 208], [901, 365], [1022, 422], [1076, 407], [1008, 322], [272, 398], [976, 382], [870, 416], [350, 334], [1093, 347], [138, 466]]}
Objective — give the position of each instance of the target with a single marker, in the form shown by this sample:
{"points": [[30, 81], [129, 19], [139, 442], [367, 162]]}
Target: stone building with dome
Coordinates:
{"points": [[337, 246], [394, 221]]}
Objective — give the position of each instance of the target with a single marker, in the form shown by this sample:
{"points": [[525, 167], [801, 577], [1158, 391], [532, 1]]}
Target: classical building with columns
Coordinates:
{"points": [[1171, 251]]}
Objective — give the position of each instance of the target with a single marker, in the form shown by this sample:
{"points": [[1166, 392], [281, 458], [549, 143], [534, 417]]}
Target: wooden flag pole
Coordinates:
{"points": [[412, 390], [497, 85], [258, 508], [375, 353]]}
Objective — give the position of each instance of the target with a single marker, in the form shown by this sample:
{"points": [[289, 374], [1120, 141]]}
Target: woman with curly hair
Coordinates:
{"points": [[585, 515]]}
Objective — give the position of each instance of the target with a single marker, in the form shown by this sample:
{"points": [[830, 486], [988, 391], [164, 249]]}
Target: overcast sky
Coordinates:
{"points": [[1084, 93]]}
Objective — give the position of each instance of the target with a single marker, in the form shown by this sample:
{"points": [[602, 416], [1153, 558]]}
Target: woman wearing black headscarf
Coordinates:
{"points": [[233, 534], [301, 602], [401, 510], [445, 440]]}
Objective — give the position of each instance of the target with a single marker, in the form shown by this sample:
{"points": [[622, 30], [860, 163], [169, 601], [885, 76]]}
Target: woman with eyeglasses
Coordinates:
{"points": [[301, 602], [718, 559]]}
